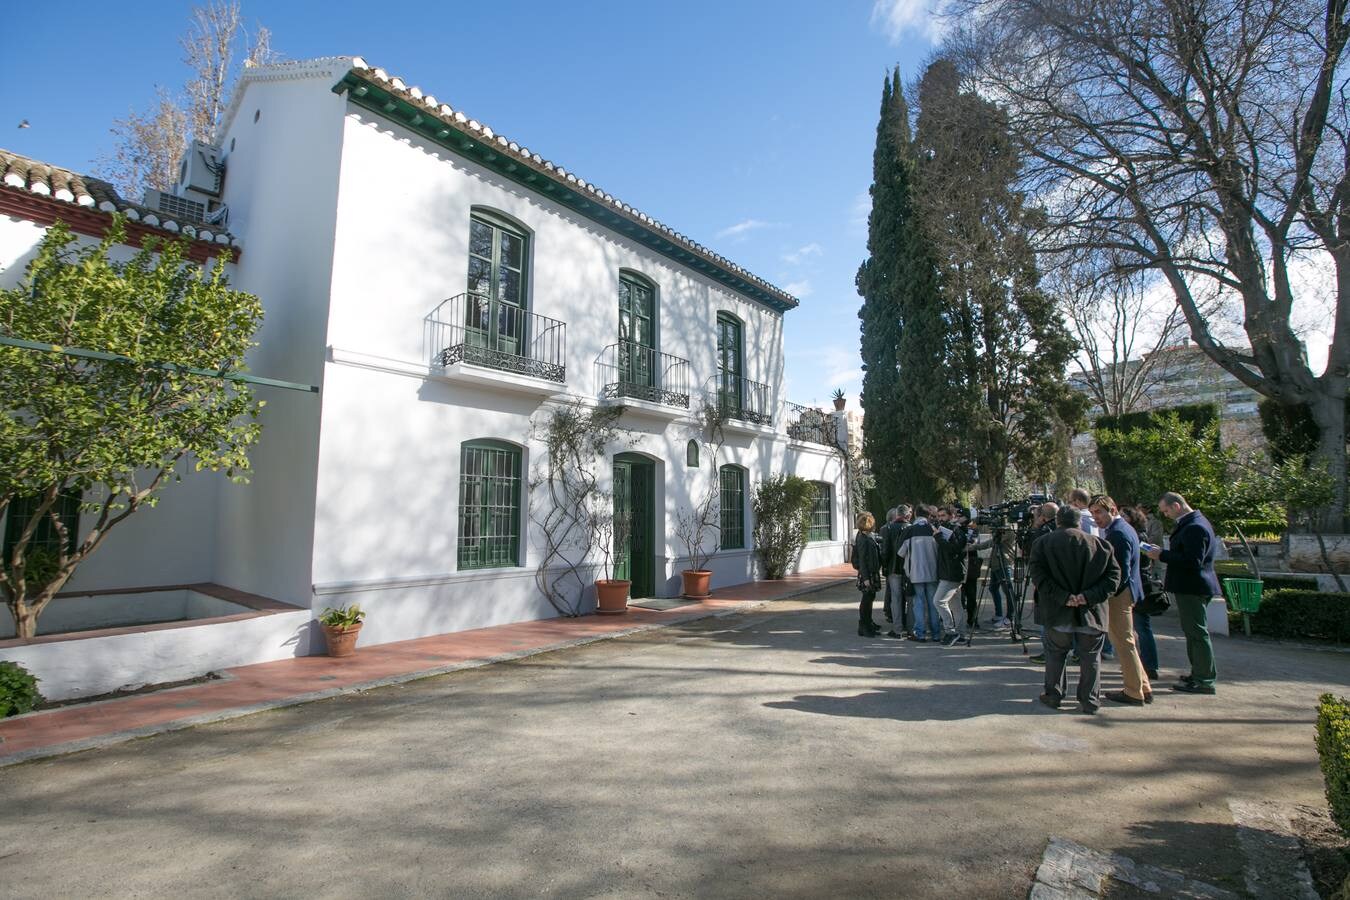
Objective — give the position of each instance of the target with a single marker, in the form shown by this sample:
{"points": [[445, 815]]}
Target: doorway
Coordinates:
{"points": [[635, 508]]}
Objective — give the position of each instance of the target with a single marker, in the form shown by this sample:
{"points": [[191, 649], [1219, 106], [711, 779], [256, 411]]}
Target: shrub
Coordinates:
{"points": [[1319, 615], [1333, 747], [782, 508], [18, 690], [1287, 583]]}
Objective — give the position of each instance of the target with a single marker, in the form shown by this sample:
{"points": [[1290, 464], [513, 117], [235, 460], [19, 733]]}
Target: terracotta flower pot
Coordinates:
{"points": [[696, 583], [840, 403], [611, 597], [341, 641]]}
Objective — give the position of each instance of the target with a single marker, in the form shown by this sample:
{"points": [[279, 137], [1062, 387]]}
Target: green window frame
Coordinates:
{"points": [[732, 480], [489, 505], [45, 537], [821, 522], [730, 360], [637, 329], [498, 276]]}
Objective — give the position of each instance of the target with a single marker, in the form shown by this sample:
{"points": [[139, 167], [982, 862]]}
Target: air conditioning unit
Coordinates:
{"points": [[201, 171], [180, 208]]}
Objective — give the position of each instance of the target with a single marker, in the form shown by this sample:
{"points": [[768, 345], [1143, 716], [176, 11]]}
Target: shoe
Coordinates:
{"points": [[995, 622], [1191, 687], [1122, 697], [952, 639], [1039, 659], [1152, 674], [1148, 698], [892, 634], [1087, 710], [1050, 700], [864, 631]]}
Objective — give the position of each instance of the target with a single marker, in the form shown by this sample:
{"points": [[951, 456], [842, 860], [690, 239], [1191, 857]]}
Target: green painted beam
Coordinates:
{"points": [[167, 367]]}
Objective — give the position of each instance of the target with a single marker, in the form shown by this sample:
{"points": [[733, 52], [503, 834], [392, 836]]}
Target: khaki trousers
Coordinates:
{"points": [[1121, 628]]}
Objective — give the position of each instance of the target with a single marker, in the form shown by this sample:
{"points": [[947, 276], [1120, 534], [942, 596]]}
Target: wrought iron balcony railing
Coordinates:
{"points": [[473, 328], [631, 370], [807, 423], [742, 399]]}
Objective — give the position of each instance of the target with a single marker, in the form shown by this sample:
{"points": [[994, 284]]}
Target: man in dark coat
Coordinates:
{"points": [[1074, 574], [1190, 578], [891, 538]]}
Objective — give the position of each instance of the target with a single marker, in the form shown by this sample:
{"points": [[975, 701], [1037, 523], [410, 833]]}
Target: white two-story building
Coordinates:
{"points": [[445, 288]]}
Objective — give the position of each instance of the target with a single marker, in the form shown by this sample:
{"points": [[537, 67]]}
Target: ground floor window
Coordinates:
{"points": [[46, 539], [489, 505], [733, 507], [821, 521]]}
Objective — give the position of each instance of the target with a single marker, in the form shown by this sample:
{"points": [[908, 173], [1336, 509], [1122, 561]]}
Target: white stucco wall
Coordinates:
{"points": [[282, 147], [387, 495]]}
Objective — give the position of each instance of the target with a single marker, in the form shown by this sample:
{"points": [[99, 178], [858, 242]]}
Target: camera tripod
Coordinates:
{"points": [[1013, 579]]}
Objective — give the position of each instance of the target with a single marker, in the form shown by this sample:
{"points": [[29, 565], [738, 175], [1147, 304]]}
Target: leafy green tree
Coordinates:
{"points": [[903, 335], [113, 432], [782, 510], [1006, 399]]}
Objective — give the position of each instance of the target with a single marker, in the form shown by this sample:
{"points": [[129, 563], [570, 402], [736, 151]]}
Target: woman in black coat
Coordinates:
{"points": [[867, 560]]}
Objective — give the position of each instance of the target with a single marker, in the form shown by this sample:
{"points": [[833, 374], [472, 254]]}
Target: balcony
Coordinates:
{"points": [[471, 332], [639, 376], [748, 405], [811, 425]]}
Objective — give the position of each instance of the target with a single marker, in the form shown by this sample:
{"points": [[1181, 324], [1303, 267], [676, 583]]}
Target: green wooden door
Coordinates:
{"points": [[637, 331], [634, 517], [494, 313], [729, 361]]}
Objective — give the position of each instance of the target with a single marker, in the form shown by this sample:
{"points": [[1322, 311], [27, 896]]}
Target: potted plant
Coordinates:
{"points": [[693, 526], [340, 628], [839, 401], [609, 532]]}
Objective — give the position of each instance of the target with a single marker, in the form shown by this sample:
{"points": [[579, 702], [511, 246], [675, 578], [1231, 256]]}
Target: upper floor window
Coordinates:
{"points": [[637, 329], [489, 505], [730, 359], [495, 310]]}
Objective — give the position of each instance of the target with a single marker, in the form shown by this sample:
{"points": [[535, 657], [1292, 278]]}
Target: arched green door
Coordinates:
{"points": [[634, 518]]}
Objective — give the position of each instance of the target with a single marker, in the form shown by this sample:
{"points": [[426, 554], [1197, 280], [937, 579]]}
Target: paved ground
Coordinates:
{"points": [[773, 753]]}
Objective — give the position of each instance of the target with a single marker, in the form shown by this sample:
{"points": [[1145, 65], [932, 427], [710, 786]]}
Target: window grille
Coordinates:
{"points": [[489, 506], [820, 527], [733, 508], [45, 538]]}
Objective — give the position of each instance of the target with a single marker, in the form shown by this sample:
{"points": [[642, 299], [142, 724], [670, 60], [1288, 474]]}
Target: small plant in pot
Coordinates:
{"points": [[609, 532], [839, 401], [341, 627], [693, 526]]}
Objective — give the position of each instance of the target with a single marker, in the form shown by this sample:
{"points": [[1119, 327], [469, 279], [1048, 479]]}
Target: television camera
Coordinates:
{"points": [[1010, 514]]}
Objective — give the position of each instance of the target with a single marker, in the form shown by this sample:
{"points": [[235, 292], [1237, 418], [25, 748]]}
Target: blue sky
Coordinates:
{"points": [[747, 125]]}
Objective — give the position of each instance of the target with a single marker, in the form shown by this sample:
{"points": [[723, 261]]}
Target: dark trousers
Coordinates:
{"points": [[886, 600], [1089, 647], [1191, 609], [865, 609], [970, 590]]}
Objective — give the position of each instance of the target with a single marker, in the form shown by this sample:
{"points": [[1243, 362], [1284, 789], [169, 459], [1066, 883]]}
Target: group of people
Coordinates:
{"points": [[1090, 572]]}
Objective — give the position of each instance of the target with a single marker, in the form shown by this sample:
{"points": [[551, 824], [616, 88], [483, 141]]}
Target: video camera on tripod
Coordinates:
{"points": [[1011, 513]]}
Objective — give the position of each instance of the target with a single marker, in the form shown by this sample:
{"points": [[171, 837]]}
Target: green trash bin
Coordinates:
{"points": [[1244, 596]]}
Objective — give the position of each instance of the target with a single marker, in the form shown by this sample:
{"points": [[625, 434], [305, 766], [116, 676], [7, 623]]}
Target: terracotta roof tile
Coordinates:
{"points": [[62, 184]]}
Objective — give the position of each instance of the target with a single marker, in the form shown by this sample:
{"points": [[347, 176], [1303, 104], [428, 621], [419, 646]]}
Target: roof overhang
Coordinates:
{"points": [[391, 100]]}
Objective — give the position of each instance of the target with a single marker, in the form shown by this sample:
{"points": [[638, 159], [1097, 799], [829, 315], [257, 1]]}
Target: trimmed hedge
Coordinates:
{"points": [[1199, 415], [1333, 747], [1316, 615], [18, 690], [1287, 583]]}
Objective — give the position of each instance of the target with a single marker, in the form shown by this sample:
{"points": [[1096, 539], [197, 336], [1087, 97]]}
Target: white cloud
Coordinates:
{"points": [[799, 289], [825, 367], [897, 18], [859, 212], [741, 229], [803, 253]]}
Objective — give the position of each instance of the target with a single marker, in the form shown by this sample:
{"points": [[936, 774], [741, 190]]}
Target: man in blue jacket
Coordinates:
{"points": [[1191, 579]]}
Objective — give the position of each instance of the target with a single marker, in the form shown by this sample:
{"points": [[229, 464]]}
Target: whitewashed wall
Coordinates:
{"points": [[387, 494]]}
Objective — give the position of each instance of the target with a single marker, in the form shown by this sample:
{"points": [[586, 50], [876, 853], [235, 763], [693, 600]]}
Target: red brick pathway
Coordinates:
{"points": [[286, 682]]}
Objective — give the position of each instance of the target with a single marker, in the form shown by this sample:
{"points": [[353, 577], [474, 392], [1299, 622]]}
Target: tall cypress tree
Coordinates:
{"points": [[1008, 346], [903, 332]]}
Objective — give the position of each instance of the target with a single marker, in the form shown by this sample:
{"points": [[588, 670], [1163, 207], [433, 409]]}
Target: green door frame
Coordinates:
{"points": [[635, 497]]}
